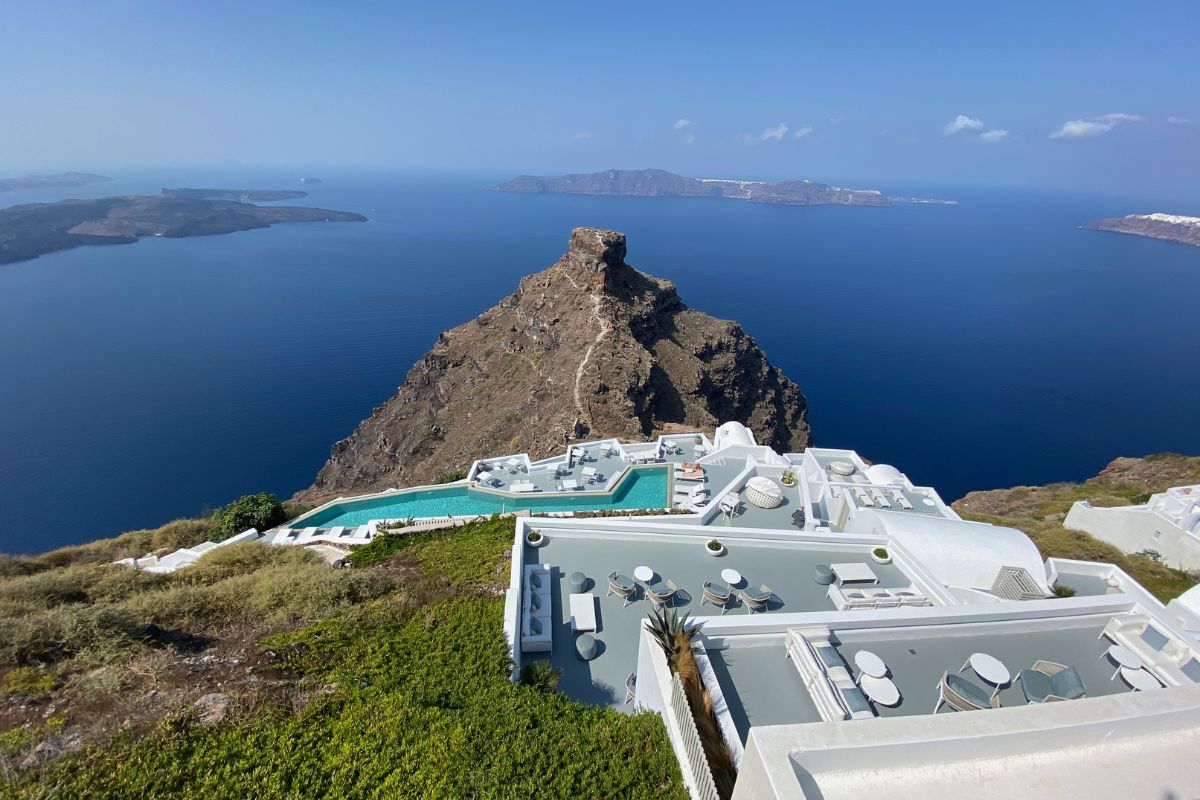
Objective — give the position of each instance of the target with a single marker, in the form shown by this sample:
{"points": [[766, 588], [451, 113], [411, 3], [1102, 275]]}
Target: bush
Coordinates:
{"points": [[262, 511], [381, 548], [541, 675], [35, 683], [99, 632], [451, 476], [1061, 590]]}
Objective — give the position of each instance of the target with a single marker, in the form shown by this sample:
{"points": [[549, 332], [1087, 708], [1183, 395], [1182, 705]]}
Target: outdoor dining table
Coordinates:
{"points": [[483, 477], [588, 472], [871, 664], [643, 573], [880, 690], [570, 483], [1139, 679], [989, 669], [731, 576], [1125, 658]]}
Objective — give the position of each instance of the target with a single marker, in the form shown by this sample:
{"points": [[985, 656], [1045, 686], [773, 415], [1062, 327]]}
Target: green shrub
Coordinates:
{"points": [[1061, 590], [100, 633], [541, 675], [28, 681], [262, 511], [451, 476], [381, 548]]}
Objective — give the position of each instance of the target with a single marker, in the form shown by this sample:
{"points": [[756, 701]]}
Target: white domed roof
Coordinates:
{"points": [[1190, 600], [884, 473], [733, 433]]}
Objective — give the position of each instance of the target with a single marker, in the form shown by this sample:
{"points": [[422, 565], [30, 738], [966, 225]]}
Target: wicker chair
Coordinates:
{"points": [[716, 596], [622, 587]]}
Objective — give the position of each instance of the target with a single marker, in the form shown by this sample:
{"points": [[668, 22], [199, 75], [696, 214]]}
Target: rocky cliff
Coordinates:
{"points": [[1172, 227], [588, 348]]}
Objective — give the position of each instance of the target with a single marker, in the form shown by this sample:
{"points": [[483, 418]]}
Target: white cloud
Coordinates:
{"points": [[775, 132], [686, 129], [1092, 126], [994, 135], [681, 123], [962, 123], [583, 135], [1178, 120], [801, 132]]}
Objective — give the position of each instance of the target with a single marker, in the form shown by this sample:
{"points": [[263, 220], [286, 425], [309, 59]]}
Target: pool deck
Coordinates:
{"points": [[786, 567]]}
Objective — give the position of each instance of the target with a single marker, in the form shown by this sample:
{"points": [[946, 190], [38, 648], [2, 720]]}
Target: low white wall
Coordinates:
{"points": [[1133, 528]]}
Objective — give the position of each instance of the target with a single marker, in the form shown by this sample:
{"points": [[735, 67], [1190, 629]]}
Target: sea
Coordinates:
{"points": [[986, 344]]}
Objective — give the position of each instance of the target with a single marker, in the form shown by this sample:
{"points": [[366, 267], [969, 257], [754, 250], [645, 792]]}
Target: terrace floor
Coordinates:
{"points": [[917, 657], [786, 567], [761, 687]]}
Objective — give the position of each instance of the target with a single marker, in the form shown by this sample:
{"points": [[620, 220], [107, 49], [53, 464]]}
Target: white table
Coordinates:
{"points": [[989, 669], [1139, 679], [880, 690], [483, 477], [643, 574], [871, 664], [570, 483], [1125, 658], [731, 576], [854, 572], [583, 611], [588, 472]]}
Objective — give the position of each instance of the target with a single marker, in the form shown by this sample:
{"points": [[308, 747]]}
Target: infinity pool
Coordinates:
{"points": [[644, 487]]}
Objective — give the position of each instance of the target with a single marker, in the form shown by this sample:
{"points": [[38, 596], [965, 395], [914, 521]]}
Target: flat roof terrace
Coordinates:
{"points": [[917, 656], [761, 687], [787, 567]]}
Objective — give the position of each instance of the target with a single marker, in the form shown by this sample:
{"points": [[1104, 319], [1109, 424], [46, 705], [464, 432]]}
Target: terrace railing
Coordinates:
{"points": [[702, 779]]}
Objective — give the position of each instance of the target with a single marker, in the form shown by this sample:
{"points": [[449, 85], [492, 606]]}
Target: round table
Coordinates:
{"points": [[731, 576], [1139, 679], [871, 664], [643, 573], [1124, 657], [989, 669], [577, 580], [880, 690]]}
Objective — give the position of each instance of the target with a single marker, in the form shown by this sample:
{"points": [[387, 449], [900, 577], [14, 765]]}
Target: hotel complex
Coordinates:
{"points": [[858, 639]]}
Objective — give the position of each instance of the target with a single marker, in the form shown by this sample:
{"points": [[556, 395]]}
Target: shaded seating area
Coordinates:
{"points": [[961, 694], [1049, 681], [1161, 654]]}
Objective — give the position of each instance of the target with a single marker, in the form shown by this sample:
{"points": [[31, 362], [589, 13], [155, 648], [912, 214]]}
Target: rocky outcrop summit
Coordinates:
{"points": [[588, 348]]}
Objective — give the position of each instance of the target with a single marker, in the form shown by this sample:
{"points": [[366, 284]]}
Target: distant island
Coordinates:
{"points": [[28, 231], [660, 183], [1170, 227], [235, 195], [51, 181]]}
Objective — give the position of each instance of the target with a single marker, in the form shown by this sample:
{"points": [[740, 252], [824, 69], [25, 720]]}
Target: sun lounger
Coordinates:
{"points": [[879, 499], [864, 498]]}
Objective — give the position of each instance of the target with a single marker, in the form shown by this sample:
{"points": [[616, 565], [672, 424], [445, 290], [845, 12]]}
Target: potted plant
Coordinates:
{"points": [[535, 538], [714, 547], [788, 478], [881, 555]]}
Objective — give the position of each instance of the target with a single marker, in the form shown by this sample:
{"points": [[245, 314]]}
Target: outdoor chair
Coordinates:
{"points": [[962, 695], [715, 596], [631, 687], [621, 586], [1048, 681], [758, 601], [660, 598]]}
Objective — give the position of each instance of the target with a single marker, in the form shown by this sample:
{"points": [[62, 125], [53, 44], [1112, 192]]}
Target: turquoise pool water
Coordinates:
{"points": [[642, 488]]}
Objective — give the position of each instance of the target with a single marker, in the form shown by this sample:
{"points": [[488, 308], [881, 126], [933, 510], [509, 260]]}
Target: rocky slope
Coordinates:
{"points": [[1171, 227], [588, 348]]}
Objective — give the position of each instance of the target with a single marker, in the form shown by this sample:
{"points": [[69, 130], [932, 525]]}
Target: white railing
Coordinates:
{"points": [[706, 787]]}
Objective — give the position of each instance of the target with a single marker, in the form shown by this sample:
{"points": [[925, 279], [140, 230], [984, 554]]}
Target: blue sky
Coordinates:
{"points": [[1087, 96]]}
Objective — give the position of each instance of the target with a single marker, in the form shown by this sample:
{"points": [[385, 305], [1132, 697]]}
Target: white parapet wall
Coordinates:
{"points": [[1135, 529]]}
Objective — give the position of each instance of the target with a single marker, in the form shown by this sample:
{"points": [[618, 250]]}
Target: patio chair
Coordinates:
{"points": [[1049, 681], [758, 601], [715, 596], [660, 598], [631, 687], [962, 695], [621, 586]]}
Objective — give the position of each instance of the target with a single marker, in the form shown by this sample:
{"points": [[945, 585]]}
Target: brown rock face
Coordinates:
{"points": [[588, 348]]}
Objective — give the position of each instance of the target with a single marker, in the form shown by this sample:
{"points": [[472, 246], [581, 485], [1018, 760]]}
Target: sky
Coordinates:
{"points": [[1096, 96]]}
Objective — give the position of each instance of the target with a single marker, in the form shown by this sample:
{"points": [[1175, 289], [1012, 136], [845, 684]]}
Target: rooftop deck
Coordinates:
{"points": [[761, 687], [917, 657], [786, 567]]}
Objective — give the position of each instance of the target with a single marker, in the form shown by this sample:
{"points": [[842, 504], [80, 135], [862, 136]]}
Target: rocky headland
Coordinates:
{"points": [[588, 348], [28, 231], [1170, 227], [660, 183]]}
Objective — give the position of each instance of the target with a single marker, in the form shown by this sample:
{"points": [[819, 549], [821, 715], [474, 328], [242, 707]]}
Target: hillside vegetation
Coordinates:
{"points": [[1040, 510], [262, 671]]}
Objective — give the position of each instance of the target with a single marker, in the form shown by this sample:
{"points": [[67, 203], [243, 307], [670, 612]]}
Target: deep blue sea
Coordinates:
{"points": [[974, 346]]}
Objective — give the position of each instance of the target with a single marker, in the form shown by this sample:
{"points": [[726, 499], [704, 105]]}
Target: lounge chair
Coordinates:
{"points": [[962, 695], [1048, 681], [621, 586], [758, 601], [715, 596], [660, 598]]}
